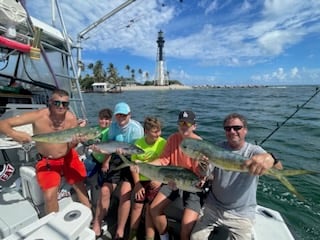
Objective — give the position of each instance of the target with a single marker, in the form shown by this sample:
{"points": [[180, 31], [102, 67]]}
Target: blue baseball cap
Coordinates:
{"points": [[122, 108]]}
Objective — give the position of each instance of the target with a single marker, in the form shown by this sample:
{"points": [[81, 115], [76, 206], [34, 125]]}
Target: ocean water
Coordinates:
{"points": [[296, 143]]}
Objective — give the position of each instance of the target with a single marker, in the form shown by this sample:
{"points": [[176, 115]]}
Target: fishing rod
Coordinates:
{"points": [[288, 118]]}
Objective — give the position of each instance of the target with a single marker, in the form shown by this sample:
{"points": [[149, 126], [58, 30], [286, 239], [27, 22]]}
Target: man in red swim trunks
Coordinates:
{"points": [[58, 159]]}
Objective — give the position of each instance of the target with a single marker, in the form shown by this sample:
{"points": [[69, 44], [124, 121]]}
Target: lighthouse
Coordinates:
{"points": [[161, 76]]}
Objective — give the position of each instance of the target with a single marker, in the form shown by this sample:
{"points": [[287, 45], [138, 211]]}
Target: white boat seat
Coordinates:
{"points": [[32, 191], [30, 187], [71, 223]]}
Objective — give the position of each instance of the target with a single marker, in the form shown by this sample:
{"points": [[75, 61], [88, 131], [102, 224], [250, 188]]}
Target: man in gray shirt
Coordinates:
{"points": [[231, 201]]}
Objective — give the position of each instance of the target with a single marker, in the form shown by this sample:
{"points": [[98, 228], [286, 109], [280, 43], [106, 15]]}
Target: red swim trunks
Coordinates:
{"points": [[49, 171]]}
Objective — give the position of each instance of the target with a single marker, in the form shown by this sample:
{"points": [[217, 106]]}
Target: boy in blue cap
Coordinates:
{"points": [[122, 129]]}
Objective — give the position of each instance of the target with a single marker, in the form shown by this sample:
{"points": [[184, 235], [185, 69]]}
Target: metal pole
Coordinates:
{"points": [[105, 17]]}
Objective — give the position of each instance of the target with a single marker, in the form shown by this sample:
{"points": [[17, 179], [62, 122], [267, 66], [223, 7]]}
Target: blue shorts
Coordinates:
{"points": [[92, 165]]}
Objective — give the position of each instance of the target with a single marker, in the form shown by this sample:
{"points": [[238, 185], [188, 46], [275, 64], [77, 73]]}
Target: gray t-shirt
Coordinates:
{"points": [[235, 192]]}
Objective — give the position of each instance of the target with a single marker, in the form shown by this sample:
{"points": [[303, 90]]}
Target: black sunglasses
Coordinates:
{"points": [[59, 103], [235, 128]]}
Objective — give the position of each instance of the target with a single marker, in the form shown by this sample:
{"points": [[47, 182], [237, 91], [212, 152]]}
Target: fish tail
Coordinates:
{"points": [[291, 188], [126, 163], [125, 160], [281, 177], [123, 165], [294, 172]]}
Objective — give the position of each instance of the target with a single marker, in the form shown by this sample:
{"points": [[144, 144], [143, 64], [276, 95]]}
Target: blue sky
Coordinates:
{"points": [[216, 42]]}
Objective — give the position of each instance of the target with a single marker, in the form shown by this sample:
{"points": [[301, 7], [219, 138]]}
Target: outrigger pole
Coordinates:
{"points": [[94, 25]]}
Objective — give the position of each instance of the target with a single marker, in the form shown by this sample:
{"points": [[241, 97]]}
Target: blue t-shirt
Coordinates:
{"points": [[235, 192], [128, 133]]}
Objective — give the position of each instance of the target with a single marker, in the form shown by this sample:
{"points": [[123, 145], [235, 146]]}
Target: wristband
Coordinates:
{"points": [[276, 160]]}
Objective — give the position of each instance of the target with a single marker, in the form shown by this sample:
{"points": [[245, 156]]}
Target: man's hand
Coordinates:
{"points": [[96, 149], [21, 137], [260, 163], [82, 122], [203, 164]]}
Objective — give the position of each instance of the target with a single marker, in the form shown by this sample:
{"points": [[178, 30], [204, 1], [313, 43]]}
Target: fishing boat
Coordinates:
{"points": [[35, 59]]}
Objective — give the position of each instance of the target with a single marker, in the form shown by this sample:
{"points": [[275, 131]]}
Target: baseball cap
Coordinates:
{"points": [[121, 108], [187, 116]]}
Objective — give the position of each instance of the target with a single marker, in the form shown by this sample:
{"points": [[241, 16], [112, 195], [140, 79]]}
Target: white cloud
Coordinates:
{"points": [[207, 32], [290, 76], [275, 41], [295, 72], [280, 24]]}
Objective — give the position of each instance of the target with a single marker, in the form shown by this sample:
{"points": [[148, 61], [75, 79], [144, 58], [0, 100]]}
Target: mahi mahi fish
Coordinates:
{"points": [[112, 146], [184, 178], [65, 136], [230, 161]]}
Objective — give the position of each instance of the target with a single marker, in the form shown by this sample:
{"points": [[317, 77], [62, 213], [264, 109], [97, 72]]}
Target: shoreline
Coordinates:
{"points": [[143, 88]]}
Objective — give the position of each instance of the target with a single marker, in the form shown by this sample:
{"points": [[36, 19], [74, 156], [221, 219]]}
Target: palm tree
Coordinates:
{"points": [[140, 72], [113, 77], [132, 75], [128, 69], [98, 72], [112, 74], [90, 66]]}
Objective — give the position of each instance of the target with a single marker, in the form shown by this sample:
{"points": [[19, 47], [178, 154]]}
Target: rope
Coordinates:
{"points": [[291, 116]]}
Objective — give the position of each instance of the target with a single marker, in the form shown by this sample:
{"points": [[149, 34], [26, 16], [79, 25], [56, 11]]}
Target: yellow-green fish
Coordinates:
{"points": [[184, 178], [230, 161], [65, 136]]}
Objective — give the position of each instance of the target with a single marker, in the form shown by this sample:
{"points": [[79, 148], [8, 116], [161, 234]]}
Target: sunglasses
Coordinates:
{"points": [[235, 128], [121, 115], [183, 123], [60, 103]]}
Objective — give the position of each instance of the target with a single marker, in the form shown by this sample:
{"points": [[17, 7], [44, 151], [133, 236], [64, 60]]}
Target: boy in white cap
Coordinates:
{"points": [[172, 155]]}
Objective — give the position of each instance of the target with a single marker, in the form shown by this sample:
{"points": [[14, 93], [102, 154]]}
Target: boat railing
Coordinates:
{"points": [[51, 40]]}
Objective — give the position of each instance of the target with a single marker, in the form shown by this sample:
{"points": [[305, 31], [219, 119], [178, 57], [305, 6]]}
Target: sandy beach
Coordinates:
{"points": [[144, 88]]}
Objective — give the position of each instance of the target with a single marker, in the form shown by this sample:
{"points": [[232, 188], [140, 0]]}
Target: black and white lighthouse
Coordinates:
{"points": [[161, 76]]}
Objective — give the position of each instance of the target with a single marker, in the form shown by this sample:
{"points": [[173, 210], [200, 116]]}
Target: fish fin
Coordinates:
{"points": [[126, 163], [290, 187], [125, 160], [294, 172], [123, 165], [281, 177]]}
